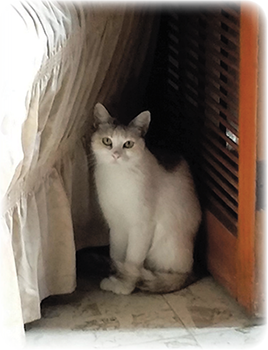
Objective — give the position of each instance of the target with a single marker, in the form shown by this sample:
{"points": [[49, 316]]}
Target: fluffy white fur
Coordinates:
{"points": [[153, 214]]}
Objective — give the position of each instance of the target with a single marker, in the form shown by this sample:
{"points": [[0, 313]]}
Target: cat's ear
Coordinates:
{"points": [[101, 115], [141, 122]]}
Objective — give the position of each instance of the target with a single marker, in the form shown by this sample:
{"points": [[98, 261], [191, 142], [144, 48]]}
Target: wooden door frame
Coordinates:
{"points": [[231, 260], [245, 266], [260, 220]]}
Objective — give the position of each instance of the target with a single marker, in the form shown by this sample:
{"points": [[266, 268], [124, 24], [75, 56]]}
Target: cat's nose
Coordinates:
{"points": [[116, 155]]}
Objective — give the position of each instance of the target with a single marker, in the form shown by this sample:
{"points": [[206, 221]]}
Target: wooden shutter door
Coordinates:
{"points": [[210, 89]]}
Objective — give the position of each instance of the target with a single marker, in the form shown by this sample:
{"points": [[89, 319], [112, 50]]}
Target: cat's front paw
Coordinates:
{"points": [[117, 286], [107, 284]]}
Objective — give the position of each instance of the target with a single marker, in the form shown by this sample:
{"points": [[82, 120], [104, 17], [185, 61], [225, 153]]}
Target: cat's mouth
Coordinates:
{"points": [[115, 160]]}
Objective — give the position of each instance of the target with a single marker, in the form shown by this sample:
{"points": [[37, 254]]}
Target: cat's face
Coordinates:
{"points": [[116, 144]]}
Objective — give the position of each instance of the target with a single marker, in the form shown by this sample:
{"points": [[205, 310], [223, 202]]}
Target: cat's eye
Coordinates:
{"points": [[128, 144], [107, 141]]}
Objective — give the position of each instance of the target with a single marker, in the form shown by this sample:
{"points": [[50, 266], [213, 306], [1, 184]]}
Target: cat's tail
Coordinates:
{"points": [[164, 282]]}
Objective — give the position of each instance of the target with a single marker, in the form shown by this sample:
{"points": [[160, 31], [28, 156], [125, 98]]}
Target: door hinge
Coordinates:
{"points": [[262, 185]]}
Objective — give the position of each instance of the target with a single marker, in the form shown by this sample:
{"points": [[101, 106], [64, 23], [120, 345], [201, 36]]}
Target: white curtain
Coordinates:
{"points": [[58, 60]]}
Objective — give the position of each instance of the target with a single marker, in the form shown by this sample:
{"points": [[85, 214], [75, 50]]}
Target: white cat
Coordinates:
{"points": [[153, 214]]}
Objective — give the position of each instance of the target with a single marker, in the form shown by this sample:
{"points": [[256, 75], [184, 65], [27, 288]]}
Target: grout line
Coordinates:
{"points": [[181, 320]]}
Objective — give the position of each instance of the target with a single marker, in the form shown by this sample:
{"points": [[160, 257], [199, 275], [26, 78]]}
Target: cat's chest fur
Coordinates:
{"points": [[122, 190]]}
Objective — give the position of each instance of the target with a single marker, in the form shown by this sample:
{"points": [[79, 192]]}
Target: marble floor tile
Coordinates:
{"points": [[207, 304], [196, 317], [105, 320], [179, 342], [231, 337], [213, 317]]}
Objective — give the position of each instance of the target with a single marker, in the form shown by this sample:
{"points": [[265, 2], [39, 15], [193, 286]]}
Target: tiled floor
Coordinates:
{"points": [[200, 316]]}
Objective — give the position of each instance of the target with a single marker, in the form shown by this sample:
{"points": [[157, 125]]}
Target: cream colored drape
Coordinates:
{"points": [[58, 60]]}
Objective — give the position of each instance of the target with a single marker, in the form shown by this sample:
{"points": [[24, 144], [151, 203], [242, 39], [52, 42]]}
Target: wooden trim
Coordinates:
{"points": [[260, 285], [221, 253], [262, 88], [247, 156], [261, 226]]}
